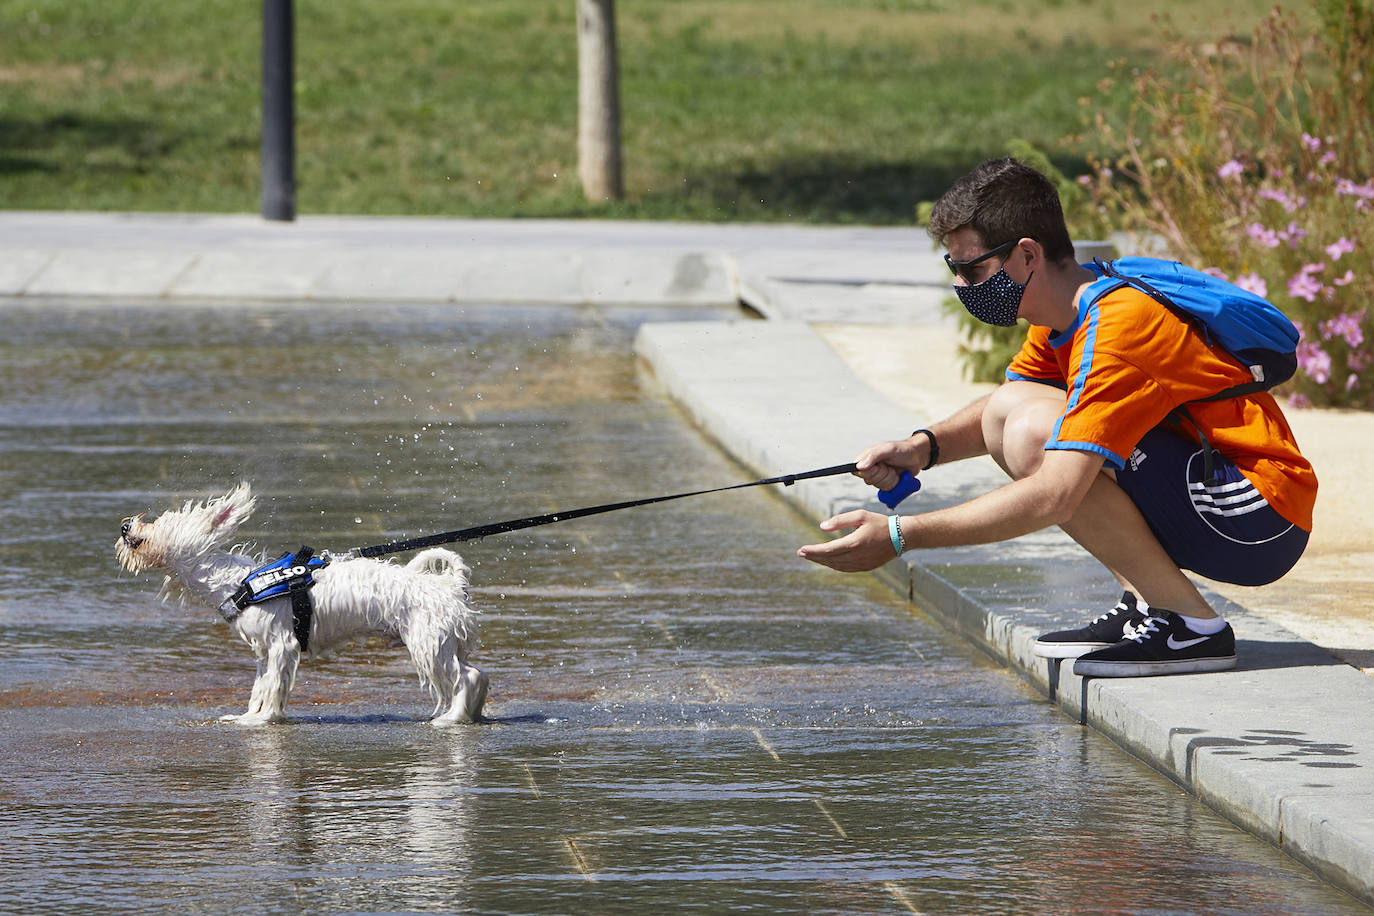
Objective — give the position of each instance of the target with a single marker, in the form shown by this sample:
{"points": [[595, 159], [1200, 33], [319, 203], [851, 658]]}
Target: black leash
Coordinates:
{"points": [[908, 485]]}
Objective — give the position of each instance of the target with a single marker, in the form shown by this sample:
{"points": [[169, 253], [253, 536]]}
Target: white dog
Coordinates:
{"points": [[423, 603]]}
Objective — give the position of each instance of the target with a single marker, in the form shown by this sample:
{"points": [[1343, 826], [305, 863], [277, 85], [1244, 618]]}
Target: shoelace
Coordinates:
{"points": [[1145, 628], [1119, 609], [1128, 629]]}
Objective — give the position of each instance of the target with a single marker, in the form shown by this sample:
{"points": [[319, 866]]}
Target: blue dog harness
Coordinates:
{"points": [[292, 574]]}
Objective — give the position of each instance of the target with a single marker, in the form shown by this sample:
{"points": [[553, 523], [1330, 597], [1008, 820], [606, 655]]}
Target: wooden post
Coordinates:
{"points": [[598, 102]]}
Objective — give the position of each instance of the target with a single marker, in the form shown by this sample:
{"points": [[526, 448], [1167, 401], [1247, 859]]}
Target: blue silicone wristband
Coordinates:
{"points": [[895, 533]]}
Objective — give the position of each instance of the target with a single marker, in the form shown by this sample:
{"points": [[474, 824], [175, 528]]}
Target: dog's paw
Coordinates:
{"points": [[251, 720]]}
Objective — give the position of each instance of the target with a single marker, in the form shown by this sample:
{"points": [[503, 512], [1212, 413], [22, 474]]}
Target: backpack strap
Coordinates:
{"points": [[1139, 283], [1180, 416]]}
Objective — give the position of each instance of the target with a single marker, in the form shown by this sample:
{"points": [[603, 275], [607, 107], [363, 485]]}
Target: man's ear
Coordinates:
{"points": [[1030, 253], [1026, 258]]}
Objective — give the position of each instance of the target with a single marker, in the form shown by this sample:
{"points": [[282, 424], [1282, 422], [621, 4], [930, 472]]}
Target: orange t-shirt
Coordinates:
{"points": [[1127, 361]]}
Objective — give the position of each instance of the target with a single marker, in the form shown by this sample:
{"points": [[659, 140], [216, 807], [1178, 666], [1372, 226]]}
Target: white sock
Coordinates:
{"points": [[1205, 626]]}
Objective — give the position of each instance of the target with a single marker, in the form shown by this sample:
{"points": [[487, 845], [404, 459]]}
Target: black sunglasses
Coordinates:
{"points": [[960, 268]]}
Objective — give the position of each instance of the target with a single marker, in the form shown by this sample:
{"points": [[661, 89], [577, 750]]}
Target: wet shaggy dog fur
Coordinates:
{"points": [[423, 603]]}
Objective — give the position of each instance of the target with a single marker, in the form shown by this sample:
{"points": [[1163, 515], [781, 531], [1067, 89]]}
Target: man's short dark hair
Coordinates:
{"points": [[1004, 200]]}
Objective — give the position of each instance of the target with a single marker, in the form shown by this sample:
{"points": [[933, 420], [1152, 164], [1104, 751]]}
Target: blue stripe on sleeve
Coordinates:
{"points": [[1109, 456], [1089, 320], [1018, 377]]}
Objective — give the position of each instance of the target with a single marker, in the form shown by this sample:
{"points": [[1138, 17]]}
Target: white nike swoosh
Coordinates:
{"points": [[1183, 644]]}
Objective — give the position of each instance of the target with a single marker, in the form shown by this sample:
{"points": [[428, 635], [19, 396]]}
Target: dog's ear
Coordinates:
{"points": [[223, 517], [230, 510]]}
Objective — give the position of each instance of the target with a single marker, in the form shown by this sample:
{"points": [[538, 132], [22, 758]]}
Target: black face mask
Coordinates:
{"points": [[996, 300]]}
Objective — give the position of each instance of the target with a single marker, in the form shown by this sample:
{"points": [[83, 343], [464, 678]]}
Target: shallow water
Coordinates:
{"points": [[683, 713]]}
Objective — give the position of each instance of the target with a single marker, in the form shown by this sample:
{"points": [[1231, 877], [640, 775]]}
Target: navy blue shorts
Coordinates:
{"points": [[1224, 530]]}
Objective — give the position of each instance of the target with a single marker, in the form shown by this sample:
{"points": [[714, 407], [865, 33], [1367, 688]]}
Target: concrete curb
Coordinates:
{"points": [[561, 262], [778, 398]]}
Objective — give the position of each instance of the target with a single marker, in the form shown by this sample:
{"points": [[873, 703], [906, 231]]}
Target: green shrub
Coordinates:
{"points": [[1257, 164]]}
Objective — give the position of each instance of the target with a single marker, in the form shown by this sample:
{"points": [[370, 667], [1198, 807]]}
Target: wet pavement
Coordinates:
{"points": [[682, 713]]}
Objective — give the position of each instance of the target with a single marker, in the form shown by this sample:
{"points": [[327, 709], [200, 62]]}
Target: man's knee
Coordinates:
{"points": [[1017, 423]]}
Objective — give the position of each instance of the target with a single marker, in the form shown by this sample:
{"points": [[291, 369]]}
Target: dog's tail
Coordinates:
{"points": [[440, 562], [450, 574]]}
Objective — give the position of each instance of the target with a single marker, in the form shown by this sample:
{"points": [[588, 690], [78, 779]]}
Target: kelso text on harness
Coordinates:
{"points": [[289, 572], [292, 574], [259, 584]]}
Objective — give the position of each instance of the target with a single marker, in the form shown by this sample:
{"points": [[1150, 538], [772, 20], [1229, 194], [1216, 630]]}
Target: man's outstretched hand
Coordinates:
{"points": [[864, 548]]}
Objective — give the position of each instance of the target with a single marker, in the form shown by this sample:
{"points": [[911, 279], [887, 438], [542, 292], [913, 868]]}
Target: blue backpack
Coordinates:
{"points": [[1247, 326]]}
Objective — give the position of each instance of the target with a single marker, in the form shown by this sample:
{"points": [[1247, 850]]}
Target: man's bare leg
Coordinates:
{"points": [[1017, 422]]}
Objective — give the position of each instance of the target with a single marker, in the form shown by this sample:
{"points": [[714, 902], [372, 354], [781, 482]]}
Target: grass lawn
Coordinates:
{"points": [[797, 110]]}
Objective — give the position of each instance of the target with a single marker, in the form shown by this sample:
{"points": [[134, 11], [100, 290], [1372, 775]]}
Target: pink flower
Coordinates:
{"points": [[1327, 158], [1293, 235], [1345, 279], [1346, 326], [1349, 188], [1232, 169], [1299, 401], [1339, 247], [1263, 235], [1253, 283], [1216, 272], [1312, 143], [1279, 197], [1351, 381], [1315, 362], [1302, 285]]}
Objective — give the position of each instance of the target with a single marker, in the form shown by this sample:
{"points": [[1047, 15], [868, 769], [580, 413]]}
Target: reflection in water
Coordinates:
{"points": [[684, 715], [396, 818]]}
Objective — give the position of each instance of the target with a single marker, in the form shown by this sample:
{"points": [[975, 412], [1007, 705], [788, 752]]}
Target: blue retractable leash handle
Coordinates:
{"points": [[907, 485]]}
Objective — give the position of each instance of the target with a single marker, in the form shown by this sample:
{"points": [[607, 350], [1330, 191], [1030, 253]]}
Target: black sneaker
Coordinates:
{"points": [[1163, 644], [1107, 630]]}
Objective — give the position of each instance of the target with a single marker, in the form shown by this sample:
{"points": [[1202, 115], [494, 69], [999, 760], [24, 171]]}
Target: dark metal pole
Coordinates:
{"points": [[278, 111]]}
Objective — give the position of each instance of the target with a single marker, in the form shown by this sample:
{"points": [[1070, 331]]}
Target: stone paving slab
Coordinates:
{"points": [[436, 260], [413, 275], [19, 267], [89, 272]]}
